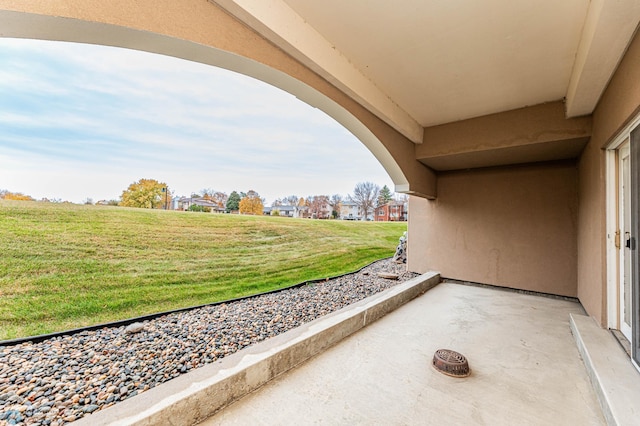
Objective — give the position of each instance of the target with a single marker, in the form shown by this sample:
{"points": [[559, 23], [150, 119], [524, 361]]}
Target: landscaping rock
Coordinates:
{"points": [[401, 250], [90, 408], [68, 377], [136, 327], [388, 275]]}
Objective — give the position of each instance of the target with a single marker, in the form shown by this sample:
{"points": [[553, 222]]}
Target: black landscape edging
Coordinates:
{"points": [[42, 337]]}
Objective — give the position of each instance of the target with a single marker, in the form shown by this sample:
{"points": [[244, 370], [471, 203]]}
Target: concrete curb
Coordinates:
{"points": [[613, 377], [197, 395]]}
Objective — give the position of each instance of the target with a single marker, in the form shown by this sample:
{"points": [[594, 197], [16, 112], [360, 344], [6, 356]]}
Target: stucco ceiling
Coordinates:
{"points": [[463, 58], [419, 63]]}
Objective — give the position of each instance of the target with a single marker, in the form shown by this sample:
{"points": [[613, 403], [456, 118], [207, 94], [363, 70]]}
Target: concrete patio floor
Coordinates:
{"points": [[526, 368]]}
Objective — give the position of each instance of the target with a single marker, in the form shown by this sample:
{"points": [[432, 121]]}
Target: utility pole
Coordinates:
{"points": [[166, 197]]}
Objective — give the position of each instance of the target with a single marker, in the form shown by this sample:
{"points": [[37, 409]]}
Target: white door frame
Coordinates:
{"points": [[624, 203], [611, 229], [611, 194], [613, 258]]}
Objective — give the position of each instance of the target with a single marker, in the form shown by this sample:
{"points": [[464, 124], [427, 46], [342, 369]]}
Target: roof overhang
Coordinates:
{"points": [[419, 64]]}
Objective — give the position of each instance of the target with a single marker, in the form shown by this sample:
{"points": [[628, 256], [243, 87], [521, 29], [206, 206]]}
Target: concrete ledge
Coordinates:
{"points": [[613, 376], [197, 395]]}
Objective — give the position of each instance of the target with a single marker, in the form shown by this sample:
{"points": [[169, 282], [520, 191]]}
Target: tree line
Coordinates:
{"points": [[149, 193], [153, 194]]}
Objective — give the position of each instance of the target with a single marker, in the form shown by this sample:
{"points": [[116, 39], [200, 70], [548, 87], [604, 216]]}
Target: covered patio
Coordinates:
{"points": [[535, 360], [515, 128], [525, 366]]}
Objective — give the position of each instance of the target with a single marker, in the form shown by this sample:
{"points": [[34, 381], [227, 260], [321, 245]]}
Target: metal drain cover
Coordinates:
{"points": [[451, 363]]}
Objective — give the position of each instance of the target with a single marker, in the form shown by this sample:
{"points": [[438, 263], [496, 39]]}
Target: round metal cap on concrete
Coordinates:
{"points": [[451, 363]]}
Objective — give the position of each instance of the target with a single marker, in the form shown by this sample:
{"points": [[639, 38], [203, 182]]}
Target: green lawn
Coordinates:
{"points": [[66, 266]]}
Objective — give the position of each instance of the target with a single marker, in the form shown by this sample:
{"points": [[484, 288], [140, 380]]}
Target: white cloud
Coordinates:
{"points": [[85, 121]]}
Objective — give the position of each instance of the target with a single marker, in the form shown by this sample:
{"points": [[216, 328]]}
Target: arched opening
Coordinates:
{"points": [[89, 399], [27, 25], [225, 43], [114, 115], [112, 140]]}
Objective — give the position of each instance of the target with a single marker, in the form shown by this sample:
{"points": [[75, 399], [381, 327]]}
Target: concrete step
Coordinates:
{"points": [[614, 378]]}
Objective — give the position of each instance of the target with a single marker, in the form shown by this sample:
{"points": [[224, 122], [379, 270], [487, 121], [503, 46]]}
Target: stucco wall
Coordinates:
{"points": [[619, 104], [510, 226]]}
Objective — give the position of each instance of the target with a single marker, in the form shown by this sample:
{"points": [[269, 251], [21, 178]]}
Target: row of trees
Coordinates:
{"points": [[366, 195], [152, 194], [8, 195], [149, 193]]}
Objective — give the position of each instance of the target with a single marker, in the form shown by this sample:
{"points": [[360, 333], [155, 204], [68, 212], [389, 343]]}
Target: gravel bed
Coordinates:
{"points": [[64, 378]]}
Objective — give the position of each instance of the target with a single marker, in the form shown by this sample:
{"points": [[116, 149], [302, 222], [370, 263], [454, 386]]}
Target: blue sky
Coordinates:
{"points": [[80, 121]]}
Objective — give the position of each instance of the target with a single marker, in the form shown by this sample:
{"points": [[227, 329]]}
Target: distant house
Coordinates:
{"points": [[303, 212], [286, 211], [319, 209], [394, 211], [184, 203], [350, 211]]}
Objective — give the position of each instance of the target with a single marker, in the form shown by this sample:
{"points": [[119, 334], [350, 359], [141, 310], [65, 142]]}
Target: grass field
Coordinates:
{"points": [[65, 266]]}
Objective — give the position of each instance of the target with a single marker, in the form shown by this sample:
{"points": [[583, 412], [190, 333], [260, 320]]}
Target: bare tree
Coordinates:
{"points": [[365, 195], [401, 198], [291, 200], [318, 206], [218, 197], [335, 202]]}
